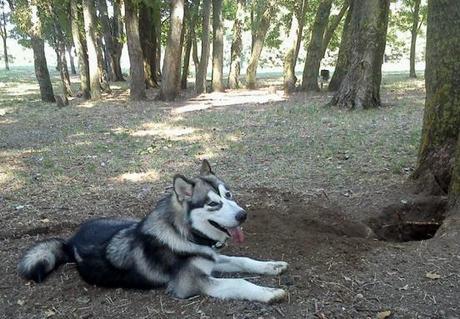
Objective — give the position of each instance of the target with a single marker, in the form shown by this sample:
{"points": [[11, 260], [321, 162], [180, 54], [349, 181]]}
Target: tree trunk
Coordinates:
{"points": [[343, 58], [157, 24], [333, 24], [90, 31], [190, 31], [438, 167], [41, 69], [148, 43], [200, 82], [80, 46], [361, 85], [259, 38], [4, 35], [117, 43], [288, 69], [237, 47], [108, 39], [217, 47], [301, 16], [172, 61], [196, 60], [40, 64], [136, 61], [73, 70], [413, 41], [314, 51]]}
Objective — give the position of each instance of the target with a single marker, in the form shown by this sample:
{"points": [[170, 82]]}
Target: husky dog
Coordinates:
{"points": [[175, 246]]}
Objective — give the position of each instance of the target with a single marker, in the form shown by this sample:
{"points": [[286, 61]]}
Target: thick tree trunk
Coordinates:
{"points": [[80, 46], [89, 13], [217, 47], [343, 58], [136, 61], [237, 47], [438, 168], [200, 82], [4, 35], [192, 17], [288, 70], [73, 70], [108, 39], [361, 85], [441, 122], [170, 82], [117, 43], [258, 44], [314, 51], [333, 24], [41, 69], [413, 42], [148, 43]]}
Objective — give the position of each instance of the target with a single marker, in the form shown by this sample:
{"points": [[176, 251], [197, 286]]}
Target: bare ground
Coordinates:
{"points": [[311, 178]]}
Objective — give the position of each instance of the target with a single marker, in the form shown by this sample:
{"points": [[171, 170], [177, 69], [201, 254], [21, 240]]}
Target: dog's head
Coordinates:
{"points": [[212, 209]]}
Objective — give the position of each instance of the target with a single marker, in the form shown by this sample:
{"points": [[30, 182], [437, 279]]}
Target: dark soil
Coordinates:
{"points": [[337, 270]]}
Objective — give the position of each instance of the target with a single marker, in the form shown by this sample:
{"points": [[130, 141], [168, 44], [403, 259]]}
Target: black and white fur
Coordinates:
{"points": [[172, 247]]}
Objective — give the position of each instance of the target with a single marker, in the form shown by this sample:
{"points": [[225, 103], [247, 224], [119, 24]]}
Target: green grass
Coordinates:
{"points": [[298, 145]]}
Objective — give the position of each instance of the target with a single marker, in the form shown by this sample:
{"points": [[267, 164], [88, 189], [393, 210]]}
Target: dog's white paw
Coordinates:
{"points": [[276, 295], [275, 267]]}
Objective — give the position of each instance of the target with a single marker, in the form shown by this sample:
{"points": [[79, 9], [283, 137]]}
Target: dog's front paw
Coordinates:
{"points": [[275, 267], [277, 295]]}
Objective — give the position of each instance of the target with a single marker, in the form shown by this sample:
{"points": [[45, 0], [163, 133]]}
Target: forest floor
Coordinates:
{"points": [[311, 177]]}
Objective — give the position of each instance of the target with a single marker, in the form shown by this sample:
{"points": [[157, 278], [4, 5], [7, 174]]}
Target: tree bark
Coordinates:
{"points": [[200, 82], [136, 61], [441, 121], [89, 13], [80, 46], [217, 47], [117, 48], [258, 42], [148, 43], [170, 83], [314, 51], [40, 64], [343, 58], [289, 69], [237, 47], [190, 35], [73, 70], [361, 86], [4, 36], [438, 167], [413, 41], [108, 39]]}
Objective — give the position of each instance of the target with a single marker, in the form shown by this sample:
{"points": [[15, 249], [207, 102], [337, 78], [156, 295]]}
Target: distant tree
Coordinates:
{"points": [[361, 85], [217, 47], [343, 58], [4, 17], [298, 10], [136, 60], [438, 167], [237, 47], [314, 51], [27, 17], [170, 83], [189, 33], [106, 31], [262, 13], [79, 40], [200, 81], [95, 75], [118, 39], [73, 70]]}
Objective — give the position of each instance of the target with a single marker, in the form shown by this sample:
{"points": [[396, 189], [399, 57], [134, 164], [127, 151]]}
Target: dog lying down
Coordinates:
{"points": [[175, 246]]}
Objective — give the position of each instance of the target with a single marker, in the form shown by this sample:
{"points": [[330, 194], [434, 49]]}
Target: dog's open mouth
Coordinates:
{"points": [[236, 233]]}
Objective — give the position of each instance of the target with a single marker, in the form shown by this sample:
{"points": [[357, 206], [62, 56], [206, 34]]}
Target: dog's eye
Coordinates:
{"points": [[213, 204], [228, 195]]}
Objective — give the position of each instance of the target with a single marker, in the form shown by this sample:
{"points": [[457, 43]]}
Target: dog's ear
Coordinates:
{"points": [[183, 188], [205, 168]]}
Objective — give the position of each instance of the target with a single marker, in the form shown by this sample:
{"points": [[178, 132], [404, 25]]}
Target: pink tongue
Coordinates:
{"points": [[237, 234]]}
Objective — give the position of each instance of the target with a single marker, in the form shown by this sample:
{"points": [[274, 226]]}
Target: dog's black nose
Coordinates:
{"points": [[241, 216]]}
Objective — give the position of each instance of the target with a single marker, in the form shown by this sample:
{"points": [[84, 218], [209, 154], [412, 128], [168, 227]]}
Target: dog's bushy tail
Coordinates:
{"points": [[42, 258]]}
